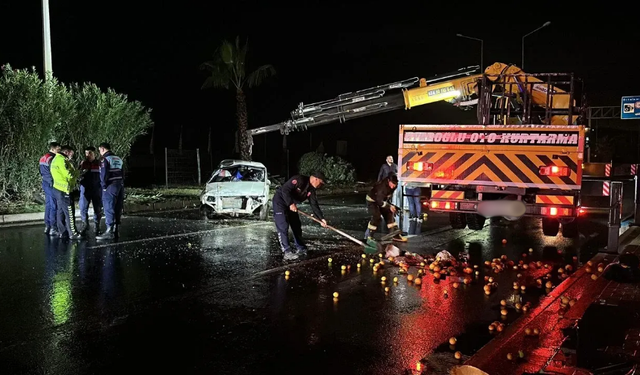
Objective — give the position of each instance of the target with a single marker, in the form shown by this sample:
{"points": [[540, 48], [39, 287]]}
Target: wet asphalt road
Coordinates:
{"points": [[182, 294]]}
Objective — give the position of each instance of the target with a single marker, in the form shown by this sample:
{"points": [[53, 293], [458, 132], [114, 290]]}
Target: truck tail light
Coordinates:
{"points": [[443, 205], [421, 166], [555, 171], [555, 211]]}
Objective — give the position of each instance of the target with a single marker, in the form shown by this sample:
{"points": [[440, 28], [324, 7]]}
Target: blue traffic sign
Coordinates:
{"points": [[630, 107]]}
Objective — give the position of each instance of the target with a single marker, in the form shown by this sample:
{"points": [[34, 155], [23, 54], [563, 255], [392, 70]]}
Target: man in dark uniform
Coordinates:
{"points": [[285, 212], [387, 169], [50, 208], [111, 181], [378, 205], [90, 189]]}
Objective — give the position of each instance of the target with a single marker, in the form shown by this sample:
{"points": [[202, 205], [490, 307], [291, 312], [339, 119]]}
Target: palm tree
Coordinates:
{"points": [[228, 70]]}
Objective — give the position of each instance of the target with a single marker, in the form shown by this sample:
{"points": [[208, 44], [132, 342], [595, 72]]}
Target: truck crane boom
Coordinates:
{"points": [[459, 88], [361, 103]]}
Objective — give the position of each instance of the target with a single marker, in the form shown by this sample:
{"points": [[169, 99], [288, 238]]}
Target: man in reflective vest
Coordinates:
{"points": [[90, 190], [50, 226], [65, 178], [111, 181], [378, 206]]}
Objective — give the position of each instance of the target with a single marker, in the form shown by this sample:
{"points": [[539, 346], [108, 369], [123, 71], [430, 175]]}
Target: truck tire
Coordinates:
{"points": [[264, 212], [570, 230], [457, 220], [475, 221], [550, 227]]}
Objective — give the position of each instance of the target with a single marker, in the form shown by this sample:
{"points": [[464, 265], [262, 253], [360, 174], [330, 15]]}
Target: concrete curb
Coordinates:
{"points": [[173, 204], [14, 219]]}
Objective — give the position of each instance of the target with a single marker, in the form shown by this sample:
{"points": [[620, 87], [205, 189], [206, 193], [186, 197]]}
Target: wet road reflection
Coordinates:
{"points": [[178, 293]]}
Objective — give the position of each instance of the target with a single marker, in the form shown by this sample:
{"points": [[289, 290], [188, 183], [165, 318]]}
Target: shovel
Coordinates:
{"points": [[390, 250]]}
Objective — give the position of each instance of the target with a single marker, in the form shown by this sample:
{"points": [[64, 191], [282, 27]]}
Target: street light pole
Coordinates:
{"points": [[481, 48], [46, 34], [545, 25]]}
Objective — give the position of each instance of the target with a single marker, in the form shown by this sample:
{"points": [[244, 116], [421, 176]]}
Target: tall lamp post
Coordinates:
{"points": [[545, 25], [481, 49], [46, 34]]}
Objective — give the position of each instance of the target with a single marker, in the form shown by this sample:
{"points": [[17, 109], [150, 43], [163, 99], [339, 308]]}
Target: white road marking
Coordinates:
{"points": [[114, 243]]}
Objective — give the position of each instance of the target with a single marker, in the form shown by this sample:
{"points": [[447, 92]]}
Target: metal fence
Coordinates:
{"points": [[182, 167]]}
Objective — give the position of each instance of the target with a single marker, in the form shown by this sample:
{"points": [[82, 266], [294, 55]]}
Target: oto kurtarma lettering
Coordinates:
{"points": [[551, 138]]}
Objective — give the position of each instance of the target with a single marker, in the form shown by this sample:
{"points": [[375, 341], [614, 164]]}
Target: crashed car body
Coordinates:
{"points": [[237, 188]]}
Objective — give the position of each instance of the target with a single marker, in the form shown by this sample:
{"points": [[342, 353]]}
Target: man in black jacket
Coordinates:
{"points": [[387, 169], [378, 205], [285, 211]]}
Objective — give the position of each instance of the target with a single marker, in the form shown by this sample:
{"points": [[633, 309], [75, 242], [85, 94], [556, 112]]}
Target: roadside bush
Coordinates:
{"points": [[34, 112], [336, 169]]}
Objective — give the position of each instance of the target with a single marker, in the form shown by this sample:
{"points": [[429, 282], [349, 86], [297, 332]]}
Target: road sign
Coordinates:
{"points": [[630, 107]]}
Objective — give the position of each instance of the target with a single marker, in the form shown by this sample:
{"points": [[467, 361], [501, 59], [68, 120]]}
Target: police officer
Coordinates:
{"points": [[111, 181], [65, 178], [378, 205], [90, 189], [285, 211], [50, 226]]}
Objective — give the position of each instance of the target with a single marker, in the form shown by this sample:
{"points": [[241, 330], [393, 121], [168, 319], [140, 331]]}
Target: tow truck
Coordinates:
{"points": [[523, 158]]}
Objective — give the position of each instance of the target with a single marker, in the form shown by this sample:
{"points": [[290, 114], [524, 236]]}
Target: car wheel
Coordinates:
{"points": [[264, 212]]}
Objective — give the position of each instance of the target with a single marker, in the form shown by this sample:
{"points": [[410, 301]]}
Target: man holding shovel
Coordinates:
{"points": [[378, 205], [285, 211]]}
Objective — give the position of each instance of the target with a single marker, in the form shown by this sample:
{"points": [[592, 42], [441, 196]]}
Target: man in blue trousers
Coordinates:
{"points": [[50, 208], [285, 211], [112, 184], [90, 190], [415, 209]]}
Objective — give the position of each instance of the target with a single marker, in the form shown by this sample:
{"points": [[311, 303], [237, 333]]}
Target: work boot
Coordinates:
{"points": [[109, 234], [75, 236], [371, 235], [289, 255], [97, 227], [85, 227]]}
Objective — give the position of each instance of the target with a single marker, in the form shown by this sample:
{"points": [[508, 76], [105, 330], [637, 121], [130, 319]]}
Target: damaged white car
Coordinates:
{"points": [[237, 188]]}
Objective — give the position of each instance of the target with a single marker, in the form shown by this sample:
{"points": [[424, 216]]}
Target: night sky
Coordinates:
{"points": [[151, 51]]}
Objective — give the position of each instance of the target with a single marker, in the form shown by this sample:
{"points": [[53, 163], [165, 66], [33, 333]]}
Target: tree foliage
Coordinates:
{"points": [[228, 70], [34, 112], [336, 169]]}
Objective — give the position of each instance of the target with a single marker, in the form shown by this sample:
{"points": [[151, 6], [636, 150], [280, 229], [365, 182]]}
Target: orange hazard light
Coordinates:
{"points": [[555, 211], [555, 171], [443, 205], [421, 166]]}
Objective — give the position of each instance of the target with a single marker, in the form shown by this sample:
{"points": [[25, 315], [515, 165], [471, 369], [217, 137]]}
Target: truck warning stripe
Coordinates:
{"points": [[555, 199], [546, 161], [447, 194], [517, 169]]}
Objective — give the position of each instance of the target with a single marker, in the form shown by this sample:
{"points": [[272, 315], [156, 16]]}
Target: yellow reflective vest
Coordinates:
{"points": [[65, 176]]}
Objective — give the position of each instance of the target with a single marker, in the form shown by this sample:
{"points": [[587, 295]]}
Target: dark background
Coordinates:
{"points": [[151, 51]]}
